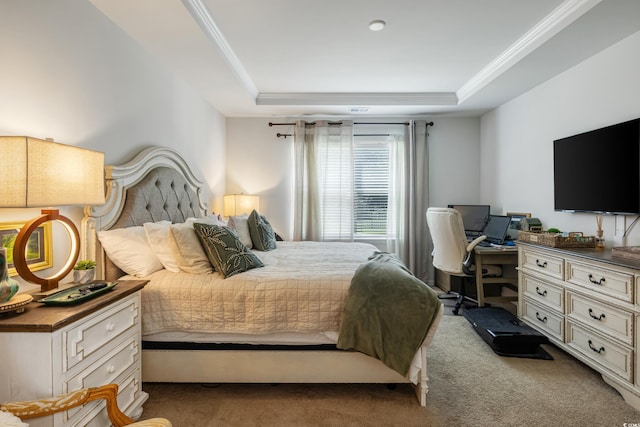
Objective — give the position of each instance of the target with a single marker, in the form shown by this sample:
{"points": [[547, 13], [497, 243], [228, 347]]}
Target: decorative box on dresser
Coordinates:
{"points": [[587, 303], [51, 350]]}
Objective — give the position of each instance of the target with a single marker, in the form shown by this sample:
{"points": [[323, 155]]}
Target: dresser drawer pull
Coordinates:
{"points": [[596, 282], [597, 350], [542, 319], [541, 264], [593, 316], [110, 327], [111, 369], [543, 293]]}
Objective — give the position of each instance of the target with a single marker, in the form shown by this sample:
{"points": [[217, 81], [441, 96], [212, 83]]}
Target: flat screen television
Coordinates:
{"points": [[474, 217], [599, 171]]}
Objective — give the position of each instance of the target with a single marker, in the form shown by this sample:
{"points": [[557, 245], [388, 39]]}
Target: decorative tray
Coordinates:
{"points": [[16, 303], [78, 294]]}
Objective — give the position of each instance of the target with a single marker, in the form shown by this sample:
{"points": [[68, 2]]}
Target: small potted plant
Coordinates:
{"points": [[84, 271]]}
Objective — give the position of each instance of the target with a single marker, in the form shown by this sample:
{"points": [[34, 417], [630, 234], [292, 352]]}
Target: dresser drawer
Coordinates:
{"points": [[609, 320], [614, 358], [544, 293], [616, 284], [539, 263], [543, 318], [87, 339]]}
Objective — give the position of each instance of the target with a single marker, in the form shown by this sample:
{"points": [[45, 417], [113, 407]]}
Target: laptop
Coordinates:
{"points": [[496, 230]]}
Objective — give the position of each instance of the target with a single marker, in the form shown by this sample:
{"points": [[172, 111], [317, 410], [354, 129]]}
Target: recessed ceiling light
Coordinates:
{"points": [[377, 25]]}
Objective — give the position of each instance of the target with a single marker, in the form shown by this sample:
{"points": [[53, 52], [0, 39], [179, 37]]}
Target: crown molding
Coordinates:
{"points": [[358, 98], [202, 16], [560, 18]]}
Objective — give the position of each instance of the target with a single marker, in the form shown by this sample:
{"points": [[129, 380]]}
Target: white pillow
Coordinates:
{"points": [[129, 249], [187, 249], [158, 238], [240, 223], [7, 419]]}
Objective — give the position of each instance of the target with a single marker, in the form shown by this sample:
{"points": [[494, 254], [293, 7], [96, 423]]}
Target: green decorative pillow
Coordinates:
{"points": [[262, 235], [225, 250]]}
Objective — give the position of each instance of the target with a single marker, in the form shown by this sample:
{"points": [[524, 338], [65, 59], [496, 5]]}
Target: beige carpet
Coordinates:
{"points": [[469, 386]]}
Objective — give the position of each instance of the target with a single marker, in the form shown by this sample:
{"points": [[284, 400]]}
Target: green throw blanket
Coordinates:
{"points": [[387, 313]]}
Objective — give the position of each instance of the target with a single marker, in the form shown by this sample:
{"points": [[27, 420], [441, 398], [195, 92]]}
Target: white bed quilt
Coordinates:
{"points": [[301, 288]]}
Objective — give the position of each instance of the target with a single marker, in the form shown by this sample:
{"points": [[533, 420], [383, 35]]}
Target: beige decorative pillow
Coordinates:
{"points": [[158, 238], [186, 247], [240, 223], [129, 249]]}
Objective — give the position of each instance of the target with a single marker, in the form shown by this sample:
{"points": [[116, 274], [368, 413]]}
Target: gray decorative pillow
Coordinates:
{"points": [[262, 235], [225, 250]]}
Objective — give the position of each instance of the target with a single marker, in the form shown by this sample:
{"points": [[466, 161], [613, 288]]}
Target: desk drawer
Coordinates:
{"points": [[544, 293], [543, 318], [617, 284], [613, 357], [609, 320], [87, 339], [543, 264]]}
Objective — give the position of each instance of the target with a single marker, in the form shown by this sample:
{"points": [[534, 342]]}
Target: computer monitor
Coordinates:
{"points": [[474, 217], [497, 228]]}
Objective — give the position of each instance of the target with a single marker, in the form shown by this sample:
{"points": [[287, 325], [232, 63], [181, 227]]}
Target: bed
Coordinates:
{"points": [[277, 323]]}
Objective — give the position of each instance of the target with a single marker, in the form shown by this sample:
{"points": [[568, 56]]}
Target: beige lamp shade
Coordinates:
{"points": [[239, 204], [39, 173]]}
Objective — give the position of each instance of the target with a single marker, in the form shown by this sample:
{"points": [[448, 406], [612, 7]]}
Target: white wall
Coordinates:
{"points": [[68, 73], [260, 163], [517, 155]]}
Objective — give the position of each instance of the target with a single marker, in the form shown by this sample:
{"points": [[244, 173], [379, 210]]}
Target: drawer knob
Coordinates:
{"points": [[593, 316], [541, 264], [111, 369], [542, 319], [543, 293], [596, 282], [597, 350], [110, 327]]}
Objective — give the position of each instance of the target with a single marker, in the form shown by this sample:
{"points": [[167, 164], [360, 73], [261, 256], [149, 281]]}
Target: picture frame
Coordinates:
{"points": [[39, 247]]}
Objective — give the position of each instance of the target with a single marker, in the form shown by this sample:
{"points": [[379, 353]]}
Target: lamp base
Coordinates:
{"points": [[20, 249]]}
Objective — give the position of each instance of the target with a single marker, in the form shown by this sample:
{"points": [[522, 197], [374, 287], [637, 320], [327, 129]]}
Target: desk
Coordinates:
{"points": [[496, 256]]}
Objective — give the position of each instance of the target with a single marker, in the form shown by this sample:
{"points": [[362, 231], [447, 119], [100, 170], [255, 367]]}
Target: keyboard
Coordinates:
{"points": [[484, 243]]}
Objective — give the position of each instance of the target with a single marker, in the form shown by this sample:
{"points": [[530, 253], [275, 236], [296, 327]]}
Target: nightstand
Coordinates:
{"points": [[51, 350]]}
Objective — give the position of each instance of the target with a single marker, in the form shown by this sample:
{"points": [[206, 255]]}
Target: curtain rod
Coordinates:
{"points": [[355, 123]]}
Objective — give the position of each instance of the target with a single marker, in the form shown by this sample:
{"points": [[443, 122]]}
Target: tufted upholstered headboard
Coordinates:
{"points": [[155, 185]]}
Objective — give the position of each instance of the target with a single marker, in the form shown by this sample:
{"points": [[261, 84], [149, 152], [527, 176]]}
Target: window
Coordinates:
{"points": [[371, 187], [356, 189]]}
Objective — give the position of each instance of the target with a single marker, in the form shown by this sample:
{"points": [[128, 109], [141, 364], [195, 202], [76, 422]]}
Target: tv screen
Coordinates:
{"points": [[474, 217], [599, 171]]}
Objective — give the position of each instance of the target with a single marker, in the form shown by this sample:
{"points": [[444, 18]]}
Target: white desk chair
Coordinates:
{"points": [[451, 252]]}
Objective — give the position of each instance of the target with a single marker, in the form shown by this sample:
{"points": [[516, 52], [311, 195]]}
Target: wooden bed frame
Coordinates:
{"points": [[224, 366]]}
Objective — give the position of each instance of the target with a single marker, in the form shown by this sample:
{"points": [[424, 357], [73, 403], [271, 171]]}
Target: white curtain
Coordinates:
{"points": [[323, 198], [409, 198]]}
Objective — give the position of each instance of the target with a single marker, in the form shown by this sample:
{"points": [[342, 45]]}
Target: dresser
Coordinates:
{"points": [[587, 303], [52, 350]]}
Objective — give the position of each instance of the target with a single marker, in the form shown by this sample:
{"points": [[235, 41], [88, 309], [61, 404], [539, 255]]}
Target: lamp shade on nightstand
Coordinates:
{"points": [[238, 204], [39, 173], [36, 173]]}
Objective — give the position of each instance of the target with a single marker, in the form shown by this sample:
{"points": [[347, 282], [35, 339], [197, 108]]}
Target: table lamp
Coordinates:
{"points": [[46, 174], [238, 204]]}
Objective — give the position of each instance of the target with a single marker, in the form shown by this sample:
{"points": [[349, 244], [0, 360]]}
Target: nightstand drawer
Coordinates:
{"points": [[617, 284], [543, 264], [543, 318], [106, 369], [613, 357], [611, 321], [546, 294], [89, 338]]}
